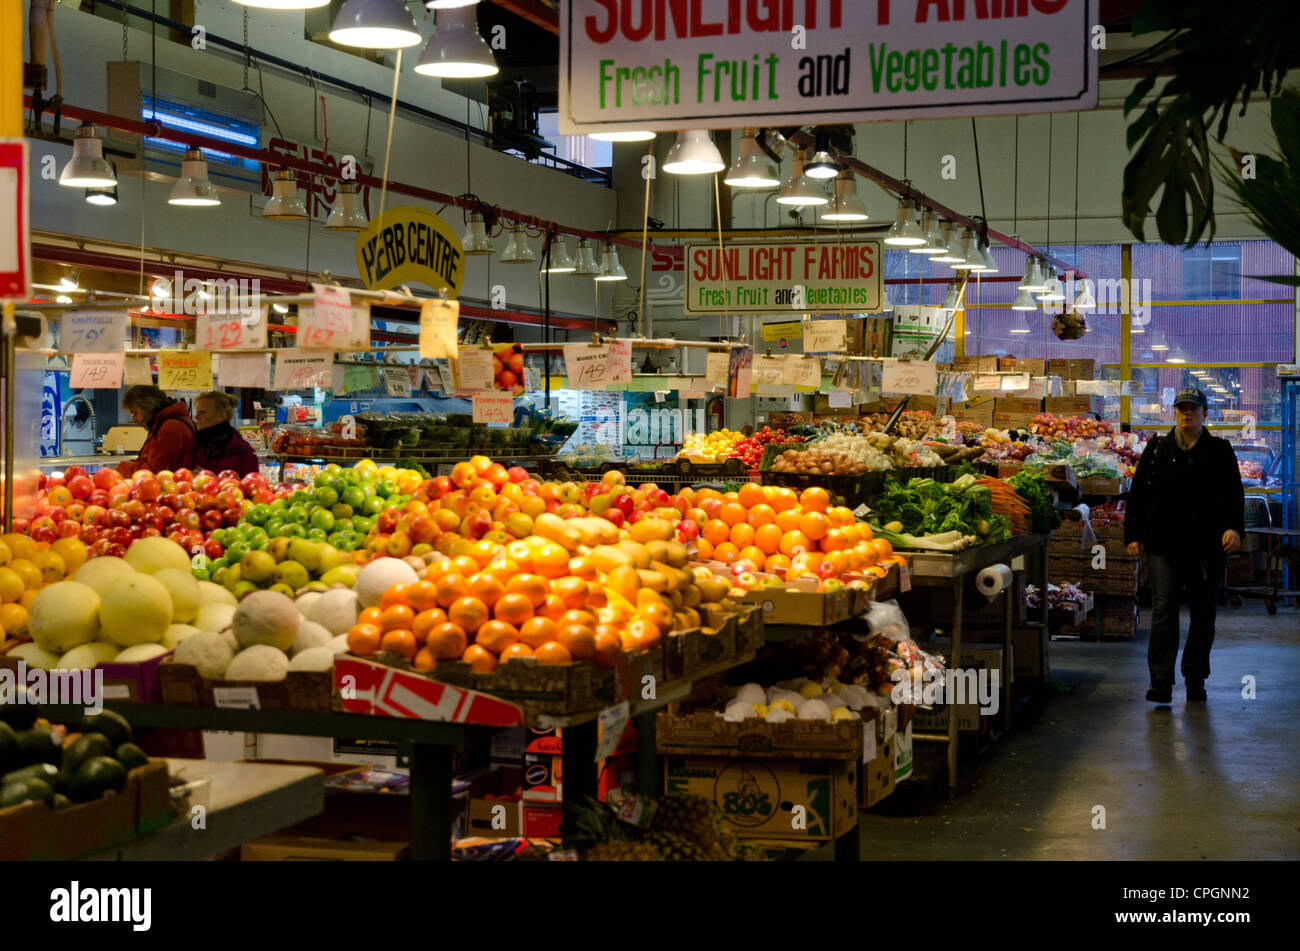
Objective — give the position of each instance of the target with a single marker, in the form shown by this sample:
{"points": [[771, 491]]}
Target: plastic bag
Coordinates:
{"points": [[886, 618]]}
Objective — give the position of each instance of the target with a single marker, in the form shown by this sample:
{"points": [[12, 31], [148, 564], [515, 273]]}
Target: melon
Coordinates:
{"points": [[336, 610], [266, 618], [380, 575], [140, 653], [177, 633], [206, 650], [184, 591], [259, 662], [103, 572], [137, 610], [88, 656], [210, 593], [35, 656], [64, 615], [310, 635], [151, 555], [215, 617], [314, 659], [305, 602], [228, 635]]}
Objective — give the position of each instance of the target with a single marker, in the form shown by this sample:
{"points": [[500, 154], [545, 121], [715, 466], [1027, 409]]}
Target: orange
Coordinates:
{"points": [[742, 534], [464, 565], [450, 587], [520, 554], [704, 548], [364, 639], [783, 499], [645, 632], [840, 515], [550, 560], [480, 659], [716, 531], [513, 608], [792, 543], [487, 588], [768, 539], [502, 568], [839, 561], [13, 617], [579, 640], [788, 520], [537, 631], [400, 641], [533, 587], [836, 539], [815, 499], [572, 591], [394, 595], [370, 616], [885, 549], [726, 552], [658, 613], [552, 607], [553, 654], [469, 612], [579, 618], [750, 494], [484, 552], [777, 564], [581, 567], [733, 513], [447, 641], [424, 660], [814, 524], [762, 514], [864, 532], [597, 597], [517, 649], [396, 617], [426, 621], [711, 507], [608, 647], [11, 585], [730, 497], [496, 636], [421, 596], [754, 555]]}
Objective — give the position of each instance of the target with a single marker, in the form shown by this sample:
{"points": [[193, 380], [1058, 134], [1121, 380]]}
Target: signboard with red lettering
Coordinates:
{"points": [[775, 277], [318, 191], [666, 65]]}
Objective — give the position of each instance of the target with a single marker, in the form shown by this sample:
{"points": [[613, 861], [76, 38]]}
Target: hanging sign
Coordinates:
{"points": [[410, 245], [245, 369], [824, 336], [96, 371], [492, 406], [92, 332], [297, 369], [334, 321], [138, 372], [184, 370], [229, 332], [15, 220], [917, 377], [803, 371], [438, 323], [776, 277], [710, 64], [397, 382]]}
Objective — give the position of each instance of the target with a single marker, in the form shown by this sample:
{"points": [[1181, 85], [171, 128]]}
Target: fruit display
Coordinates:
{"points": [[710, 448], [913, 424], [922, 513], [828, 462], [1069, 428], [840, 662], [26, 568], [676, 827], [750, 449], [1058, 596], [801, 699]]}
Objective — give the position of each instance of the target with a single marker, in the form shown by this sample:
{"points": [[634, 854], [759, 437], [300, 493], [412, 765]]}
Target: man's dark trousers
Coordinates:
{"points": [[1176, 579]]}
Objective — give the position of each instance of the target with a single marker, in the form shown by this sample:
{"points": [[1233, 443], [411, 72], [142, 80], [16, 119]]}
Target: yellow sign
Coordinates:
{"points": [[410, 245], [11, 67], [184, 370], [786, 329]]}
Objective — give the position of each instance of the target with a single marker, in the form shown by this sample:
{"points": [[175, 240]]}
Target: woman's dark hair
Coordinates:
{"points": [[146, 397]]}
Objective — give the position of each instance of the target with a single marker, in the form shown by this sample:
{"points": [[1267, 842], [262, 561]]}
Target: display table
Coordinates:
{"points": [[1272, 590]]}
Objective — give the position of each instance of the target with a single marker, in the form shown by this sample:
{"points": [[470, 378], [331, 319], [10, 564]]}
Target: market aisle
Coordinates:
{"points": [[1219, 781]]}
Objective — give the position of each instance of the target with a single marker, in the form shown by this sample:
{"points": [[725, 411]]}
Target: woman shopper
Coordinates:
{"points": [[1186, 511], [219, 445], [170, 442]]}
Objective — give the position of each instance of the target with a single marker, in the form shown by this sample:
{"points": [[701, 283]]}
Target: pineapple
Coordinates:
{"points": [[623, 852], [674, 848]]}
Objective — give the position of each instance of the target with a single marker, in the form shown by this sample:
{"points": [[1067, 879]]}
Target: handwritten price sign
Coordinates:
{"points": [[717, 365], [768, 371], [919, 377], [586, 366], [333, 322], [803, 371], [184, 370], [92, 332], [245, 369], [397, 382], [490, 406], [824, 336], [438, 322], [474, 369], [138, 371], [295, 370], [228, 332], [97, 371]]}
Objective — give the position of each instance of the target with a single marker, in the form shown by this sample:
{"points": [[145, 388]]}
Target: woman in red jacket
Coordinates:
{"points": [[170, 443], [219, 445]]}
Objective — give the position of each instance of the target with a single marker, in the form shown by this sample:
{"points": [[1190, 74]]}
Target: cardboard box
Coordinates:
{"points": [[878, 776], [181, 684], [1033, 367], [780, 606], [757, 796], [988, 364], [541, 822], [1075, 405], [287, 848], [543, 769], [687, 653], [138, 682], [1073, 369], [1003, 420], [1024, 651], [1017, 404], [977, 411], [707, 734], [499, 817]]}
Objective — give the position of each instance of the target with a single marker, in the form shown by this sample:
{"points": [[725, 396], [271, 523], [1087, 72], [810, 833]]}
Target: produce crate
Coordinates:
{"points": [[749, 629], [803, 608], [1095, 485], [631, 672], [181, 684], [558, 690], [33, 831], [856, 489], [707, 734], [692, 651], [135, 682], [878, 776]]}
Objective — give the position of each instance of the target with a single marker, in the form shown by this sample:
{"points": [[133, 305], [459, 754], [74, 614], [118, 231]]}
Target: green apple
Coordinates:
{"points": [[243, 588], [283, 589]]}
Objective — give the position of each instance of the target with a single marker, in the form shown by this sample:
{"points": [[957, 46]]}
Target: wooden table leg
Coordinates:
{"points": [[1004, 687]]}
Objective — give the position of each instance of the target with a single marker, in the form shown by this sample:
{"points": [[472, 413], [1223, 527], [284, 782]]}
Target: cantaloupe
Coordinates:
{"points": [[103, 572], [89, 656], [210, 593], [339, 645], [314, 659], [140, 653], [206, 650], [152, 555], [177, 633], [310, 635], [335, 610], [305, 602], [64, 615], [35, 656], [137, 610], [259, 662], [380, 575], [267, 618], [215, 617], [184, 591]]}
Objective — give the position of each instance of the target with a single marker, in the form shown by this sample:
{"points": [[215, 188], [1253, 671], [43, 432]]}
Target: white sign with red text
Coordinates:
{"points": [[775, 277]]}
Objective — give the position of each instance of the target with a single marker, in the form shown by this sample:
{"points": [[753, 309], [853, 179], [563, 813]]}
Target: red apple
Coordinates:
{"points": [[166, 513], [183, 475], [80, 487], [44, 534], [73, 472], [118, 494], [76, 511], [134, 508], [387, 521], [99, 498], [51, 482], [57, 512], [150, 532], [147, 489], [624, 502], [118, 519], [687, 531], [69, 529], [105, 478], [117, 549], [43, 521], [120, 536], [187, 518], [212, 548], [615, 515], [184, 486], [89, 534], [95, 514], [100, 546]]}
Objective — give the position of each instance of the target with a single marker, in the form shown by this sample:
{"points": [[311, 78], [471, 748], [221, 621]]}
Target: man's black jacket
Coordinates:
{"points": [[1183, 502]]}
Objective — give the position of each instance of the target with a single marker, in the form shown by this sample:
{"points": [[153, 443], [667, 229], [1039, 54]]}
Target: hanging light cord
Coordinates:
{"points": [[645, 239], [1015, 183], [979, 176], [1076, 192], [388, 147]]}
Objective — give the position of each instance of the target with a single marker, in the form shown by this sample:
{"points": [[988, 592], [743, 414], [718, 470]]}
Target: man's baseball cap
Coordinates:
{"points": [[1192, 395]]}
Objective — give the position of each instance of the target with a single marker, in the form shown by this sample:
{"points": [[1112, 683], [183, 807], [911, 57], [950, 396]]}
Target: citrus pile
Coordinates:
{"points": [[712, 448], [26, 567]]}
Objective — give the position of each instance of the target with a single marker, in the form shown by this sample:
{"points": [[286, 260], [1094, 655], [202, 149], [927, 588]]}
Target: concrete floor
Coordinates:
{"points": [[1214, 781]]}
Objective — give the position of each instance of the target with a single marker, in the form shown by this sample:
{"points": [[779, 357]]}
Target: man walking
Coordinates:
{"points": [[1186, 511]]}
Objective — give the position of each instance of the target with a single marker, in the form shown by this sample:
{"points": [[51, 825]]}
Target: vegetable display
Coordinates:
{"points": [[1032, 487], [923, 507]]}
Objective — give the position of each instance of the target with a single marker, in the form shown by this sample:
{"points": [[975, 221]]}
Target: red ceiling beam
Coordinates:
{"points": [[534, 11]]}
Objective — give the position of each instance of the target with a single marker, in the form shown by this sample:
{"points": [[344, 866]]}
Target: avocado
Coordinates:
{"points": [[39, 745], [80, 750], [8, 748], [25, 790], [18, 713], [44, 771], [131, 756], [112, 725], [60, 801], [98, 776]]}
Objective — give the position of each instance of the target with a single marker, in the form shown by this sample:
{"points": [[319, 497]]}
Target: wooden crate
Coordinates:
{"points": [[692, 651], [182, 685], [557, 690], [707, 734]]}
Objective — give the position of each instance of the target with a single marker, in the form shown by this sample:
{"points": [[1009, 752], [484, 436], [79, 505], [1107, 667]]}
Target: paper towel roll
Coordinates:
{"points": [[993, 580]]}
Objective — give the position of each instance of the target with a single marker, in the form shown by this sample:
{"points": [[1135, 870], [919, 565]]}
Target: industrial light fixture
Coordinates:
{"points": [[447, 4], [1159, 344], [950, 299], [347, 213], [284, 4], [517, 249], [610, 268], [988, 263], [1083, 298], [280, 308], [694, 153], [70, 281], [475, 240], [752, 169], [103, 196], [374, 25], [799, 189], [586, 265], [1033, 280], [904, 232], [948, 236], [968, 251], [934, 240], [1024, 301], [821, 166], [193, 189], [635, 135], [1173, 359], [847, 204], [87, 168], [63, 299], [285, 203], [1023, 328], [1136, 328], [1053, 290], [457, 50], [561, 262]]}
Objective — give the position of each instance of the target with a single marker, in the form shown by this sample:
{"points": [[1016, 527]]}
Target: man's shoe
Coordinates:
{"points": [[1161, 694], [1196, 691]]}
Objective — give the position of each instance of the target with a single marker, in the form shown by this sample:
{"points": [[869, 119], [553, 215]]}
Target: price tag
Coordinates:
{"points": [[493, 406], [298, 370], [532, 379], [587, 367], [92, 332], [357, 378], [904, 578], [803, 371], [245, 369], [824, 336], [775, 391], [909, 376], [949, 433], [445, 375], [868, 740], [768, 370], [861, 512], [717, 364], [396, 381], [416, 374], [659, 395], [1015, 382], [97, 371], [228, 332], [693, 389], [610, 726], [236, 698], [984, 382], [138, 372], [840, 399], [116, 692], [474, 369], [741, 373], [439, 321], [184, 370], [620, 361], [333, 322]]}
